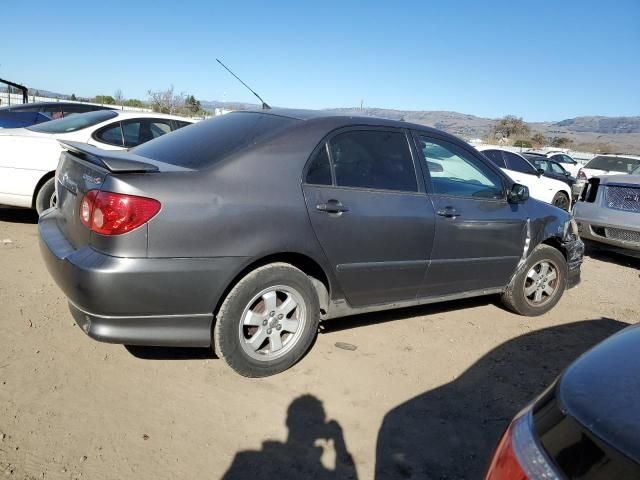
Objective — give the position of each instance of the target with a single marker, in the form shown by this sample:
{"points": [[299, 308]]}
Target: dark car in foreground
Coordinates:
{"points": [[25, 115], [586, 426], [244, 231]]}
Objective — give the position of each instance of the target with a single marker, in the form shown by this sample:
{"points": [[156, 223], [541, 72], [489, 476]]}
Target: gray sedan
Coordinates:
{"points": [[609, 211], [244, 231]]}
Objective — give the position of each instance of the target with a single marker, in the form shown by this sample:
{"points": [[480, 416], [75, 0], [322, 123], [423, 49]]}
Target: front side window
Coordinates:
{"points": [[557, 168], [373, 159], [456, 172], [131, 133], [52, 112], [519, 164], [74, 123], [319, 171]]}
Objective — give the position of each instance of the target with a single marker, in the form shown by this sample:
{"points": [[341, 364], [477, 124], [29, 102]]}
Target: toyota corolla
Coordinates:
{"points": [[243, 232]]}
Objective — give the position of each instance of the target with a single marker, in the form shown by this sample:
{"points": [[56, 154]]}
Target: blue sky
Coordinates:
{"points": [[542, 60]]}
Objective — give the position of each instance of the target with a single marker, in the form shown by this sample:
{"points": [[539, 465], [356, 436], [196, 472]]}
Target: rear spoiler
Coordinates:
{"points": [[114, 161]]}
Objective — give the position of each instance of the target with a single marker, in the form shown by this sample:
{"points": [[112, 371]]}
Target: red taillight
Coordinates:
{"points": [[505, 465], [582, 175], [519, 456], [109, 213]]}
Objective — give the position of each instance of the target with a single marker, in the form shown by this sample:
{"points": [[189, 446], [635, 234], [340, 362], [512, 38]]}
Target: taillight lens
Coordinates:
{"points": [[582, 175], [518, 456], [109, 213]]}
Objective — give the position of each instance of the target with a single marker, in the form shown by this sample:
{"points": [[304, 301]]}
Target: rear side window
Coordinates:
{"points": [[319, 171], [519, 164], [207, 142], [373, 159], [111, 134], [496, 157]]}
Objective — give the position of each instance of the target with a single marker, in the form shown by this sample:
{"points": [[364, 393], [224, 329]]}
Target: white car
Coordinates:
{"points": [[520, 170], [29, 156], [608, 164]]}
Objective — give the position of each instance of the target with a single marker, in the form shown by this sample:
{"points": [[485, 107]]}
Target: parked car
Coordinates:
{"points": [[28, 114], [556, 171], [29, 156], [585, 426], [567, 161], [522, 171], [609, 211], [268, 222], [609, 164]]}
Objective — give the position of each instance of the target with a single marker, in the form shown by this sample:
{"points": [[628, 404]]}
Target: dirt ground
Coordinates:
{"points": [[426, 393]]}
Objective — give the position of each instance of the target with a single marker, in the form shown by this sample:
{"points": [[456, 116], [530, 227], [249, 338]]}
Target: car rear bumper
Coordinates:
{"points": [[137, 301], [608, 226]]}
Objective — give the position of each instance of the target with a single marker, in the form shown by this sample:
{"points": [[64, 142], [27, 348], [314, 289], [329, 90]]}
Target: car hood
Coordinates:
{"points": [[601, 390], [619, 179]]}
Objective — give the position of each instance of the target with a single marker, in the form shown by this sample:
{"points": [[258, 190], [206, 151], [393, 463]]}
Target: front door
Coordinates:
{"points": [[479, 238], [370, 214]]}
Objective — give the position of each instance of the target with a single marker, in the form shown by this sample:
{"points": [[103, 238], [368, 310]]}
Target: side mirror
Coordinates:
{"points": [[567, 174], [540, 172], [518, 193], [434, 167]]}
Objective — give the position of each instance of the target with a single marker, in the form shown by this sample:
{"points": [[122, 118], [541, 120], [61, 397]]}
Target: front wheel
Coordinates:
{"points": [[46, 197], [561, 200], [268, 321], [539, 284]]}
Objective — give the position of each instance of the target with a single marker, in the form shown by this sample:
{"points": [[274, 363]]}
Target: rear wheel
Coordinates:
{"points": [[539, 284], [268, 321], [46, 197], [561, 200]]}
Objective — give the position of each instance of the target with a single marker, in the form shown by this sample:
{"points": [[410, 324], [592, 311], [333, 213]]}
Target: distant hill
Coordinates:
{"points": [[618, 133]]}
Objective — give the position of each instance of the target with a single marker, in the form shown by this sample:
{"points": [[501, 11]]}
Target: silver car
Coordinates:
{"points": [[609, 211]]}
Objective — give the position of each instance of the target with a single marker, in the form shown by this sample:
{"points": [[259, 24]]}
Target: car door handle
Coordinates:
{"points": [[448, 212], [332, 206]]}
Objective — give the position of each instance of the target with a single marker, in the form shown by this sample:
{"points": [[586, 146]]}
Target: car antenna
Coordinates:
{"points": [[265, 105]]}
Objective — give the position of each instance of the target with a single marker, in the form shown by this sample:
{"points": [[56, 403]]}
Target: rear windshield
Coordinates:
{"points": [[613, 164], [205, 143], [75, 122]]}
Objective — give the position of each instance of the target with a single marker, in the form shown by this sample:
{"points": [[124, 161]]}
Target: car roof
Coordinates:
{"points": [[125, 114], [618, 155], [50, 104], [344, 119], [600, 390]]}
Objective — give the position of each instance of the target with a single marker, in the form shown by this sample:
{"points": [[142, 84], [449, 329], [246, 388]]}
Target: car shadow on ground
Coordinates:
{"points": [[18, 215], [450, 432], [363, 319], [170, 353], [611, 255]]}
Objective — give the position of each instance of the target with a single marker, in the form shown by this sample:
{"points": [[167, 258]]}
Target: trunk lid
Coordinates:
{"points": [[83, 168]]}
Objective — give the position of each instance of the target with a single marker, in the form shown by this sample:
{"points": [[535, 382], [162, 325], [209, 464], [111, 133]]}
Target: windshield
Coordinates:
{"points": [[614, 164], [74, 123]]}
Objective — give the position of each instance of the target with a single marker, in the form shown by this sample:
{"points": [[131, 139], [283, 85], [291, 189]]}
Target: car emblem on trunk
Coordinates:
{"points": [[90, 179]]}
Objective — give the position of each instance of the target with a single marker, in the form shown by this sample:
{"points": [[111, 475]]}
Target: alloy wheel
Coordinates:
{"points": [[541, 283], [272, 323]]}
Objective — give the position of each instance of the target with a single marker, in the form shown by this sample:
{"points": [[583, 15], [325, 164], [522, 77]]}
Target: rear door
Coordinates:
{"points": [[370, 213], [479, 237]]}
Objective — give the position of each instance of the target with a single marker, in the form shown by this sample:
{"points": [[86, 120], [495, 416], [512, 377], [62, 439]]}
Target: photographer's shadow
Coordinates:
{"points": [[301, 455]]}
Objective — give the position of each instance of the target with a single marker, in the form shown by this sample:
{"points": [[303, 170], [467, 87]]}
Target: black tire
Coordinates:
{"points": [[46, 196], [515, 298], [233, 349], [561, 200]]}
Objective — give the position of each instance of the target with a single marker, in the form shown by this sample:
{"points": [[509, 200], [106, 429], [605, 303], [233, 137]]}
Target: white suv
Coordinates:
{"points": [[521, 171]]}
